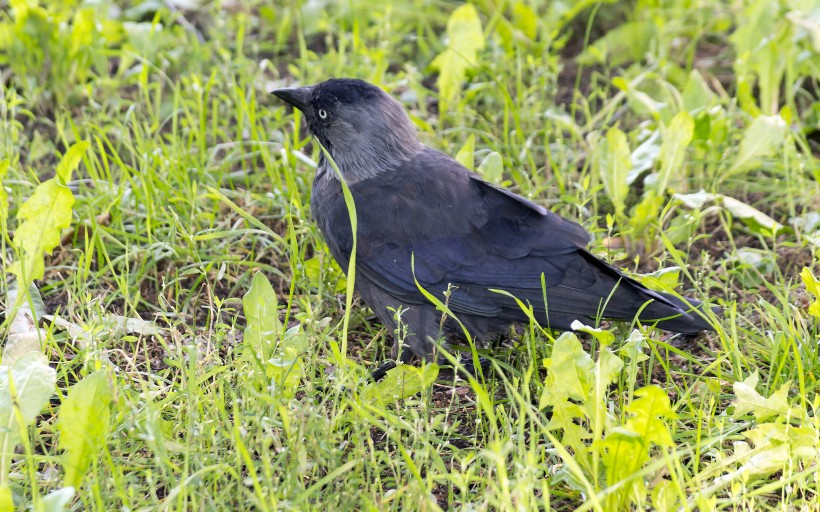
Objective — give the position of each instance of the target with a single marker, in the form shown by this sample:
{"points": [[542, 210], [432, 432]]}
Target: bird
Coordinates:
{"points": [[424, 221]]}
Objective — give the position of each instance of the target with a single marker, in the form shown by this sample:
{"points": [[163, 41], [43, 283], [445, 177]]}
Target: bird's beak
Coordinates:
{"points": [[298, 97]]}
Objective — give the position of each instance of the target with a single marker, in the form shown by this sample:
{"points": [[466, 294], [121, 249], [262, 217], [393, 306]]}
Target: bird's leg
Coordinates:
{"points": [[463, 364], [470, 369], [380, 372]]}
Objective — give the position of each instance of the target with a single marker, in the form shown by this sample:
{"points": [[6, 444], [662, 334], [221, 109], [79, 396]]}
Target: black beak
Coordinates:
{"points": [[298, 97]]}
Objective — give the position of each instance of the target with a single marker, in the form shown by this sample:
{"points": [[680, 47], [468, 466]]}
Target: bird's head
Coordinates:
{"points": [[364, 129]]}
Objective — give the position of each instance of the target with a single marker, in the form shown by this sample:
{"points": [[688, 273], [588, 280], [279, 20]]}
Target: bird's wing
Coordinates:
{"points": [[465, 232]]}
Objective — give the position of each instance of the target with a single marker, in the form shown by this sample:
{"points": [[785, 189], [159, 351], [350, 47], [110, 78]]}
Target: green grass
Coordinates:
{"points": [[196, 178]]}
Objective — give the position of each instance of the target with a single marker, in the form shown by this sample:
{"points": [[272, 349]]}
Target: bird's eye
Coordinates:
{"points": [[322, 113]]}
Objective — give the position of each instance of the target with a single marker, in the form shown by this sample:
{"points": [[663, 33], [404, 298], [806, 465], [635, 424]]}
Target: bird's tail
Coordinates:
{"points": [[690, 319], [667, 311]]}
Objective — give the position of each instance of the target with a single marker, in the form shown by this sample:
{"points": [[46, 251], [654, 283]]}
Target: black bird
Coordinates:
{"points": [[463, 232]]}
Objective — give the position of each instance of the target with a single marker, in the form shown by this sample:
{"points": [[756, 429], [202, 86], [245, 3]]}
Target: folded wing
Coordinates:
{"points": [[465, 232]]}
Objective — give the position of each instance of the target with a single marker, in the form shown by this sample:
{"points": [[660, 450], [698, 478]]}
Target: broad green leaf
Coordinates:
{"points": [[748, 400], [759, 19], [813, 287], [24, 335], [624, 454], [72, 158], [43, 217], [280, 352], [753, 217], [6, 497], [606, 338], [492, 167], [746, 97], [644, 156], [83, 30], [676, 138], [7, 37], [696, 93], [647, 211], [28, 384], [760, 139], [465, 39], [801, 439], [632, 353], [46, 213], [570, 367], [749, 214], [626, 448], [808, 222], [565, 416], [665, 496], [627, 42], [646, 100], [466, 155], [663, 280], [608, 367], [525, 19], [811, 24], [777, 446], [697, 200], [263, 328], [633, 347], [57, 500], [751, 266], [763, 46], [773, 458], [402, 382], [614, 161], [605, 373], [768, 460], [131, 325], [84, 424], [762, 260], [506, 34], [648, 412], [40, 147]]}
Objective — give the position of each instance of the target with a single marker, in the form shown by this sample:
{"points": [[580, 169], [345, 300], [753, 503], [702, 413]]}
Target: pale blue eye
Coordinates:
{"points": [[322, 113]]}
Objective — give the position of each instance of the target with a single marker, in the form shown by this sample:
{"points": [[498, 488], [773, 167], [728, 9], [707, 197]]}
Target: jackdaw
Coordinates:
{"points": [[463, 233]]}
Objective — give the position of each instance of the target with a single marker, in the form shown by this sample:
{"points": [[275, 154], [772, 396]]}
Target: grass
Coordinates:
{"points": [[196, 178]]}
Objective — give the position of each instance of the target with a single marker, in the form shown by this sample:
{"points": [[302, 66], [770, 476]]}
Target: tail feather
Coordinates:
{"points": [[691, 321], [669, 312]]}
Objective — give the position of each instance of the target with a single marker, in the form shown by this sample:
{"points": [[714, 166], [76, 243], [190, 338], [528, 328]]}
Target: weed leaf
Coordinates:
{"points": [[605, 337], [84, 423], [402, 382], [28, 384], [44, 215], [813, 287], [261, 311], [614, 162], [466, 155], [676, 138], [748, 400], [58, 500], [492, 167], [465, 39], [761, 137]]}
